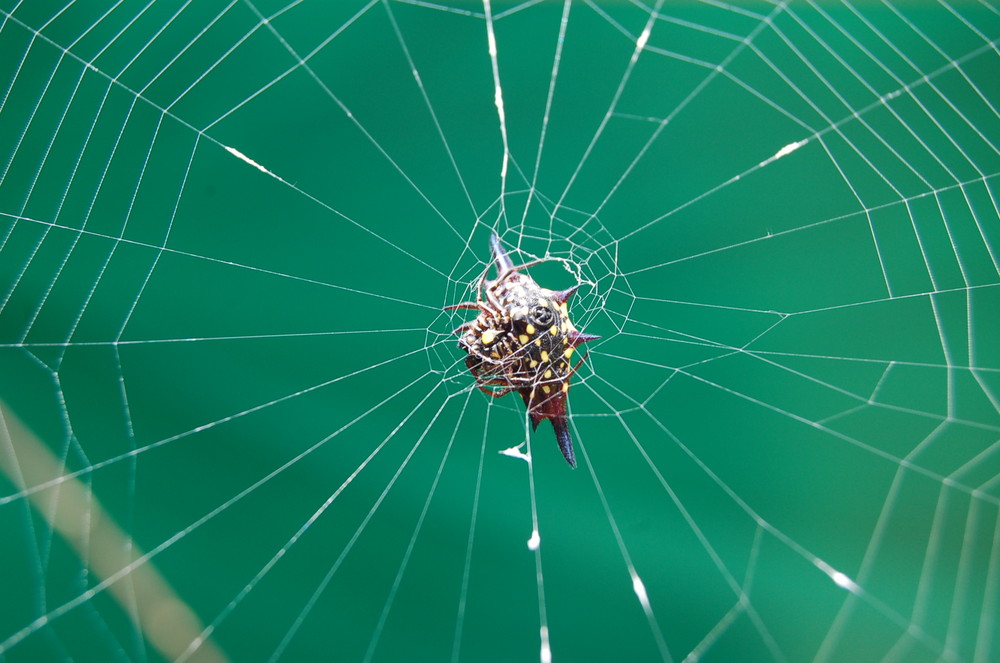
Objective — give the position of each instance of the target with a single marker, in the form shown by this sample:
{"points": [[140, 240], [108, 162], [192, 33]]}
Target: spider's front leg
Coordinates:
{"points": [[473, 305], [491, 294], [484, 380], [465, 326], [495, 393]]}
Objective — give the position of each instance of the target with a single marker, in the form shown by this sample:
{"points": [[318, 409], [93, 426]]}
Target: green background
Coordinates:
{"points": [[798, 371]]}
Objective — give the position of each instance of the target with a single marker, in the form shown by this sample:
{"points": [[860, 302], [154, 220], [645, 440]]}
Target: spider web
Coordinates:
{"points": [[235, 422]]}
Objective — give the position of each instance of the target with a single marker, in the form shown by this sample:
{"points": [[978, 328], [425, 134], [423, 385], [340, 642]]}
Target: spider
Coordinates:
{"points": [[523, 341]]}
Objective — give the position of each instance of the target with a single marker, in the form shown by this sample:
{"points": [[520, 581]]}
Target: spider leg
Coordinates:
{"points": [[491, 294], [473, 305], [487, 366], [494, 307], [484, 385], [483, 308], [495, 393], [464, 327]]}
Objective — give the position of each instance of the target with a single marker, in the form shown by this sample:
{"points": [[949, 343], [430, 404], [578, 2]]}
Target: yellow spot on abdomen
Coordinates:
{"points": [[488, 336], [545, 355], [565, 387], [548, 374], [546, 388], [554, 330], [524, 339], [534, 363], [569, 352], [530, 329]]}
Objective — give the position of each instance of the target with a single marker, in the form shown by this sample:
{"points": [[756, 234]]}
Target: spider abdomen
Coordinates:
{"points": [[523, 340]]}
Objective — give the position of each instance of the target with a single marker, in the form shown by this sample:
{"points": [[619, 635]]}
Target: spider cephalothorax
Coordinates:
{"points": [[523, 341]]}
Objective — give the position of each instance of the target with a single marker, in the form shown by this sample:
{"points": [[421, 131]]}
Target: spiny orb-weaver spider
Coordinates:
{"points": [[523, 341]]}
